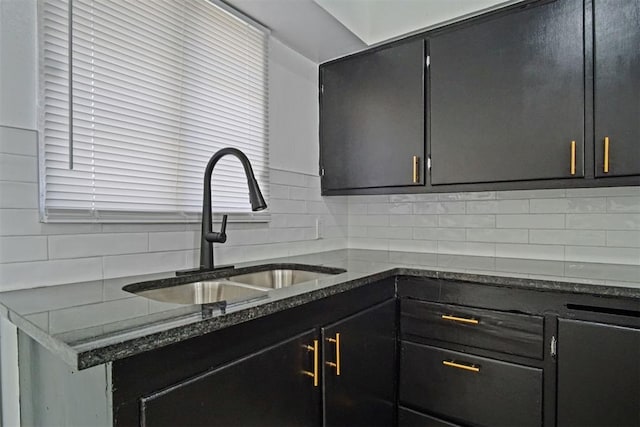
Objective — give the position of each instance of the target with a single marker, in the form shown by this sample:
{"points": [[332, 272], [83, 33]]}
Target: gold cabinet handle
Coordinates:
{"points": [[461, 319], [452, 364], [416, 169], [313, 374], [606, 155], [573, 157], [335, 364]]}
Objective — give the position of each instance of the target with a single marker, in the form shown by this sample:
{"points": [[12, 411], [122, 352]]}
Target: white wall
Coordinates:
{"points": [[34, 254]]}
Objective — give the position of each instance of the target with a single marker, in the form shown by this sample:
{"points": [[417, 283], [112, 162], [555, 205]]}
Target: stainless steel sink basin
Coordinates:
{"points": [[204, 292], [278, 278]]}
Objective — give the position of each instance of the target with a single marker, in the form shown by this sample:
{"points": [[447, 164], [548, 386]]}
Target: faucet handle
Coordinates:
{"points": [[223, 228]]}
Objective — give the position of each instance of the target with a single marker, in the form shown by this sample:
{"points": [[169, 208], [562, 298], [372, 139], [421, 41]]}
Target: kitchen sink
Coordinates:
{"points": [[278, 278], [230, 289], [204, 292]]}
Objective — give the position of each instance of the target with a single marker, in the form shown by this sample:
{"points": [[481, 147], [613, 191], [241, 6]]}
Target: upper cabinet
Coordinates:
{"points": [[617, 87], [507, 97], [372, 119]]}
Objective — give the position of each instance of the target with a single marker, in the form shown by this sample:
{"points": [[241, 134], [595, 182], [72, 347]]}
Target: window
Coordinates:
{"points": [[138, 98]]}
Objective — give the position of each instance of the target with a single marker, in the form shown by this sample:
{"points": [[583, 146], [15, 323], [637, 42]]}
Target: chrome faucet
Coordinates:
{"points": [[208, 237]]}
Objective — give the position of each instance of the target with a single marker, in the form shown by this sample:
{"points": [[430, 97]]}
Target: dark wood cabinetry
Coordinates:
{"points": [[598, 374], [541, 94], [372, 119], [274, 370], [359, 368], [617, 87], [507, 97], [269, 387]]}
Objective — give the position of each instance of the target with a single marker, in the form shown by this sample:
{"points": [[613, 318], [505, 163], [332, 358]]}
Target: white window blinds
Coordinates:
{"points": [[157, 87]]}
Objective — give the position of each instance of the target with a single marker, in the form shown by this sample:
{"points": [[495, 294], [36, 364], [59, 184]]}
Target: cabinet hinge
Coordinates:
{"points": [[553, 347], [428, 162], [321, 171], [428, 60], [322, 89]]}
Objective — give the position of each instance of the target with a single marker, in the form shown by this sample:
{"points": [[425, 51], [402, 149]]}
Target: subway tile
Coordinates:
{"points": [[412, 198], [546, 252], [425, 220], [389, 232], [357, 231], [357, 208], [287, 235], [93, 315], [439, 208], [466, 262], [454, 234], [18, 168], [531, 194], [21, 249], [18, 141], [627, 273], [498, 206], [87, 245], [530, 266], [606, 255], [24, 275], [603, 191], [420, 246], [369, 220], [378, 208], [18, 195], [568, 237], [467, 248], [369, 199], [423, 259], [477, 195], [278, 191], [531, 221], [278, 206], [302, 193], [467, 221], [611, 221], [425, 233], [145, 263], [623, 204], [142, 228], [623, 239], [574, 205], [175, 240], [292, 179], [293, 220], [498, 235], [368, 243]]}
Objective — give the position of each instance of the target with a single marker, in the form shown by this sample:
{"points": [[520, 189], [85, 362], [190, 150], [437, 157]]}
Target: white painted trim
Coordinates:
{"points": [[10, 385]]}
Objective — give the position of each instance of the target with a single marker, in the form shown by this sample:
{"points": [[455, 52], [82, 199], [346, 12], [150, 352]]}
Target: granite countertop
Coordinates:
{"points": [[91, 323]]}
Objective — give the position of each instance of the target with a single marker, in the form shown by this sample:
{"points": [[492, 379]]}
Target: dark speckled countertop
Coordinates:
{"points": [[92, 323]]}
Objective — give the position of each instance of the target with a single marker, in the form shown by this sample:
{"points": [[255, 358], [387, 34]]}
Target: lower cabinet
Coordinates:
{"points": [[359, 368], [598, 374], [469, 388], [331, 362], [270, 387]]}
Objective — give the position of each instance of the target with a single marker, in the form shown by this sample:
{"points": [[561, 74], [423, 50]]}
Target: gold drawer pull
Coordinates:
{"points": [[416, 169], [573, 157], [460, 319], [335, 364], [313, 374], [606, 154], [472, 368]]}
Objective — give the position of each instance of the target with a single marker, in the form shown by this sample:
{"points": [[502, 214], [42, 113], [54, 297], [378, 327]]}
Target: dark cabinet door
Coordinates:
{"points": [[372, 119], [598, 374], [362, 347], [617, 87], [507, 97], [272, 387]]}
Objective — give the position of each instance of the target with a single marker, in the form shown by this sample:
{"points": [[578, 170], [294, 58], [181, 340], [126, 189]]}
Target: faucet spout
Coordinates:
{"points": [[255, 198]]}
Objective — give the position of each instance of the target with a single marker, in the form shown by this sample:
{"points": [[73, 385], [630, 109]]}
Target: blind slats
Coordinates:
{"points": [[158, 87]]}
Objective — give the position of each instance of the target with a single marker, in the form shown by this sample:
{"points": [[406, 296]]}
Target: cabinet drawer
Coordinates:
{"points": [[488, 392], [409, 418], [517, 334]]}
